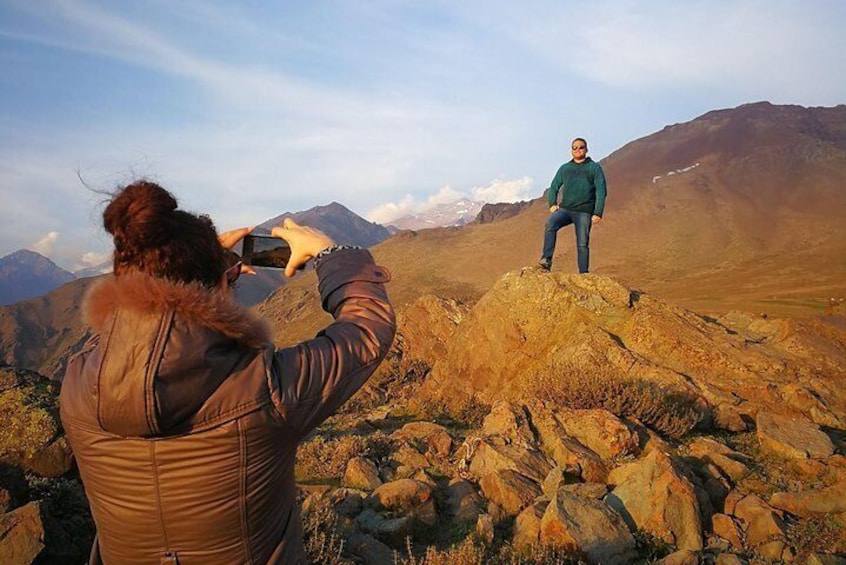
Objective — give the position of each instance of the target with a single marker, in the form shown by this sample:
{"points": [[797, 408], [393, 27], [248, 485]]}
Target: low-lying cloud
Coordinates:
{"points": [[497, 191]]}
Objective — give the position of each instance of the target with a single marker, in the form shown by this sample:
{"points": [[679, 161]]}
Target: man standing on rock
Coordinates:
{"points": [[581, 204]]}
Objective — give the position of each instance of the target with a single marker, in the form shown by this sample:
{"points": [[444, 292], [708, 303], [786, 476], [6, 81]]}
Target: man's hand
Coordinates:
{"points": [[305, 243], [595, 219], [553, 208]]}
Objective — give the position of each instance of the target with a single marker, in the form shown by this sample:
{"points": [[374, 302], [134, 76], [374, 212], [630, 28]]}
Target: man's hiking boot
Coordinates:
{"points": [[545, 265]]}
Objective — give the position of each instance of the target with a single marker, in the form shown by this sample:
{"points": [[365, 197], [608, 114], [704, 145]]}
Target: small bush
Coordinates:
{"points": [[324, 544], [671, 412], [821, 533]]}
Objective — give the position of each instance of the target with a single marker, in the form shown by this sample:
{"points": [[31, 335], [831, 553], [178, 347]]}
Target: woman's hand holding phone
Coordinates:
{"points": [[305, 243]]}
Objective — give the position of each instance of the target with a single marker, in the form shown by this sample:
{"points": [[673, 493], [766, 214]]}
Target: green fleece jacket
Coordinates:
{"points": [[583, 187]]}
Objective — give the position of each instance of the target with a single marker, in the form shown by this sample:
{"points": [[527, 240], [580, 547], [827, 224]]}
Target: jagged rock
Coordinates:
{"points": [[600, 431], [654, 495], [726, 459], [485, 528], [462, 501], [528, 523], [421, 475], [435, 437], [761, 523], [493, 454], [510, 421], [370, 550], [21, 535], [569, 454], [805, 401], [510, 490], [362, 473], [792, 437], [407, 497], [732, 499], [5, 500], [587, 526], [776, 550], [683, 557], [723, 525], [831, 500]]}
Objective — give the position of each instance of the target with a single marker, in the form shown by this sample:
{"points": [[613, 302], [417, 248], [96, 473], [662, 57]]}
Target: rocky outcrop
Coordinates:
{"points": [[792, 437], [532, 324]]}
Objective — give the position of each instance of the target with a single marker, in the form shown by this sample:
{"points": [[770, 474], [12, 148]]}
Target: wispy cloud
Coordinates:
{"points": [[45, 245]]}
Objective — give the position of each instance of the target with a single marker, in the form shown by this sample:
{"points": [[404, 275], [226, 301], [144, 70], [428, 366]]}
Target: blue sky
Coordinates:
{"points": [[248, 109]]}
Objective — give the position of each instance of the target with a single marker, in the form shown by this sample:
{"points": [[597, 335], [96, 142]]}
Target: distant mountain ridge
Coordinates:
{"points": [[25, 273], [337, 221], [458, 213]]}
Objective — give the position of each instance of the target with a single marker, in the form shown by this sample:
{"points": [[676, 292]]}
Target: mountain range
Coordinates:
{"points": [[738, 209], [457, 213], [25, 273]]}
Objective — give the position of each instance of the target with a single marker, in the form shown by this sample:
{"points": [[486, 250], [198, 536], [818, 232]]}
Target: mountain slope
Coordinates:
{"points": [[25, 273], [752, 217]]}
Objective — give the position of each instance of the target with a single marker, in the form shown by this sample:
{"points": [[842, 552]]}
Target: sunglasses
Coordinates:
{"points": [[578, 147], [233, 272]]}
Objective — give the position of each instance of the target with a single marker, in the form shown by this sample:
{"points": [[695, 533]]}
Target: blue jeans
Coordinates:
{"points": [[561, 218]]}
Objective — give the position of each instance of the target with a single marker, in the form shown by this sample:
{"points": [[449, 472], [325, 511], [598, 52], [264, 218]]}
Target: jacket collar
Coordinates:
{"points": [[192, 302]]}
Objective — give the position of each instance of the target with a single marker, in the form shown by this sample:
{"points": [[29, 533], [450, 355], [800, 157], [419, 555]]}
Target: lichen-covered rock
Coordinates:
{"points": [[654, 495], [28, 436], [793, 438], [406, 497], [587, 526]]}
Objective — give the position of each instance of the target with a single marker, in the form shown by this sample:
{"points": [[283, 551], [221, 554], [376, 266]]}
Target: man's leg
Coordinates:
{"points": [[555, 222], [582, 223]]}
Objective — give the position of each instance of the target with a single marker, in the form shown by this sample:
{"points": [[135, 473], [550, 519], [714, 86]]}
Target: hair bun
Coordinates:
{"points": [[141, 216]]}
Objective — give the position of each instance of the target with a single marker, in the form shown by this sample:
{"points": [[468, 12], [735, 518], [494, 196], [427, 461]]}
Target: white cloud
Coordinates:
{"points": [[92, 259], [504, 191], [498, 191], [45, 245]]}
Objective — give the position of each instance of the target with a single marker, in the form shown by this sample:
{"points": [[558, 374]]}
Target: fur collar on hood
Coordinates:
{"points": [[193, 302]]}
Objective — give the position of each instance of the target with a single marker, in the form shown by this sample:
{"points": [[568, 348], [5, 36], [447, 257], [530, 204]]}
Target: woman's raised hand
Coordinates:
{"points": [[305, 243]]}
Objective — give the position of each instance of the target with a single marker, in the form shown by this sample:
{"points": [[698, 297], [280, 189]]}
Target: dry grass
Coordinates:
{"points": [[324, 544], [670, 412], [325, 459], [819, 534], [472, 551]]}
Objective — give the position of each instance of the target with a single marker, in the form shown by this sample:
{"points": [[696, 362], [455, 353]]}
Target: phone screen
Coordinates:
{"points": [[265, 251]]}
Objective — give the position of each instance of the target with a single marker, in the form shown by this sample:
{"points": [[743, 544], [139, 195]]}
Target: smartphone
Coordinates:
{"points": [[265, 251]]}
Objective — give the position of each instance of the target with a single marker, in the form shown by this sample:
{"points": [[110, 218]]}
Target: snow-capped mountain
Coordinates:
{"points": [[456, 213]]}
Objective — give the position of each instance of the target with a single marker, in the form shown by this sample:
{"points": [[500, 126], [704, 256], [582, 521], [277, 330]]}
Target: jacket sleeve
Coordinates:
{"points": [[310, 381], [555, 186], [601, 191]]}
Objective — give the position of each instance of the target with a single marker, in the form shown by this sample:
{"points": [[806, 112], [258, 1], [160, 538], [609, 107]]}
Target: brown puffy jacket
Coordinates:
{"points": [[185, 420]]}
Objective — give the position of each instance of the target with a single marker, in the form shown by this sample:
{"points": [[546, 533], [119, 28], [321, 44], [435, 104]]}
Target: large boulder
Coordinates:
{"points": [[495, 454], [653, 494], [587, 526], [600, 431], [792, 437], [510, 490]]}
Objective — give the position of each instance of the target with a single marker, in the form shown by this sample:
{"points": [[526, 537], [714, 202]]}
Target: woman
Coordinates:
{"points": [[183, 417]]}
